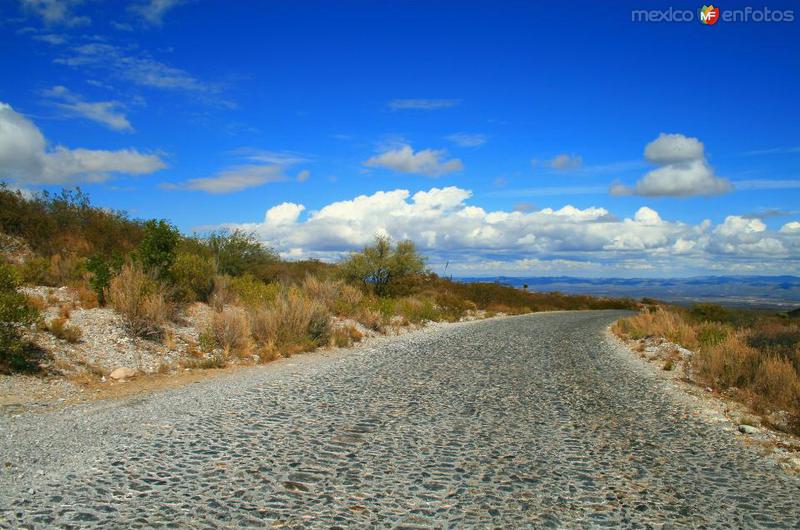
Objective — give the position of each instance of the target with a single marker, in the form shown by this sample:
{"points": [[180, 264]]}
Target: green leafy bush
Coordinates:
{"points": [[239, 252], [253, 292], [382, 268], [15, 315], [193, 277], [159, 247]]}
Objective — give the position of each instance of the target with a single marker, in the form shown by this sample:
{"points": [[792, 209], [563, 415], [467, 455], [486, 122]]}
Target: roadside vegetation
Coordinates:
{"points": [[256, 306], [752, 356]]}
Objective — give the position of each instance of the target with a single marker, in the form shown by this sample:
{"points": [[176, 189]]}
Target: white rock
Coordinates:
{"points": [[122, 373], [748, 429]]}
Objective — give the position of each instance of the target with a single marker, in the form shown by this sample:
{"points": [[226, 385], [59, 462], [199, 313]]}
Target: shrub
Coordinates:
{"points": [[230, 330], [141, 300], [253, 292], [100, 272], [239, 252], [417, 310], [383, 268], [293, 320], [712, 333], [193, 277], [15, 315], [35, 271], [158, 248], [729, 363], [344, 336], [340, 298], [221, 294], [60, 329], [777, 382]]}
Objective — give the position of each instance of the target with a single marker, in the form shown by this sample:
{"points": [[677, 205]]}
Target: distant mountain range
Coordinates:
{"points": [[752, 291]]}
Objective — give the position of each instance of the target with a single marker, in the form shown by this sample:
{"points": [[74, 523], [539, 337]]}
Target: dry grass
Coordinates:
{"points": [[141, 301], [37, 302], [755, 356], [345, 336], [293, 320], [60, 329], [340, 298], [230, 329]]}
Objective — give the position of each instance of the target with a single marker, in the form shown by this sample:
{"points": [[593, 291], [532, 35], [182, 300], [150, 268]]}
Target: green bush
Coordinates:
{"points": [[712, 333], [239, 252], [253, 292], [158, 248], [384, 269], [101, 270], [193, 277], [15, 314]]}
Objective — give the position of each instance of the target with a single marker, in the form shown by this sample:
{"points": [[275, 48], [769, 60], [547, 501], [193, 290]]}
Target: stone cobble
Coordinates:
{"points": [[525, 422]]}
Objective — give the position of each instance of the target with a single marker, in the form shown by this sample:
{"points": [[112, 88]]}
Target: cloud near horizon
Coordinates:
{"points": [[446, 227], [26, 158], [682, 171]]}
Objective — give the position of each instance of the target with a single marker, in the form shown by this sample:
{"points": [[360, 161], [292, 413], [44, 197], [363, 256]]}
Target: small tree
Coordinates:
{"points": [[15, 314], [380, 267], [101, 270], [238, 252], [159, 247]]}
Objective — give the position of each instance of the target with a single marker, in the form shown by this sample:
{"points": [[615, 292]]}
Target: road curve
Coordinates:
{"points": [[532, 421]]}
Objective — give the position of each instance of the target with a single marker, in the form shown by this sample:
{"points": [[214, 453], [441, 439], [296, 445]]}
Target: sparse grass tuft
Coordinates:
{"points": [[60, 329]]}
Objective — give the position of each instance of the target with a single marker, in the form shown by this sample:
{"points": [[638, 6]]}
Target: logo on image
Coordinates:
{"points": [[709, 15]]}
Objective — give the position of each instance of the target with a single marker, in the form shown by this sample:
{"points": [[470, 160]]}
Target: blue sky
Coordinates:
{"points": [[504, 138]]}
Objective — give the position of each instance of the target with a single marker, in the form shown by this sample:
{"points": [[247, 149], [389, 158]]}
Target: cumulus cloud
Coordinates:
{"points": [[153, 11], [106, 113], [683, 170], [25, 156], [53, 12], [467, 139], [260, 167], [446, 226], [423, 104], [403, 159]]}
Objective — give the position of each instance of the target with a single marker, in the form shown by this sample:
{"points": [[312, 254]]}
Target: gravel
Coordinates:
{"points": [[532, 421]]}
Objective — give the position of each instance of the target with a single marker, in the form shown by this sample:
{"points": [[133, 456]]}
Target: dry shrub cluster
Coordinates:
{"points": [[754, 355], [141, 300], [60, 329]]}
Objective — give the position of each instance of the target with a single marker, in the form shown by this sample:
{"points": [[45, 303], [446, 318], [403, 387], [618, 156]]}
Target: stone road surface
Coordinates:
{"points": [[525, 422]]}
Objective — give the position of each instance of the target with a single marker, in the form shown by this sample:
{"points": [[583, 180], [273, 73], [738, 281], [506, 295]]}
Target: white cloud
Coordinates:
{"points": [[792, 227], [423, 104], [236, 178], [565, 161], [673, 148], [283, 214], [683, 171], [262, 167], [426, 162], [447, 227], [153, 11], [54, 12], [467, 139], [25, 156], [105, 113]]}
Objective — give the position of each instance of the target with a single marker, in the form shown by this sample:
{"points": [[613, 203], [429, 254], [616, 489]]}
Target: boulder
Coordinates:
{"points": [[122, 373]]}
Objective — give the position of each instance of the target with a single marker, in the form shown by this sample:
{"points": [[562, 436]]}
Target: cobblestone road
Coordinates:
{"points": [[533, 421]]}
